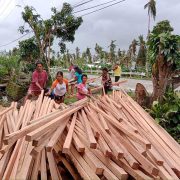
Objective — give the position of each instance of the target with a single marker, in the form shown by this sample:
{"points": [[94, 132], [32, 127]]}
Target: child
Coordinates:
{"points": [[106, 80], [78, 74], [59, 88], [83, 89]]}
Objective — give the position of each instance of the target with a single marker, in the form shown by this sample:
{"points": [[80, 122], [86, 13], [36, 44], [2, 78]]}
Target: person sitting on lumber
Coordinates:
{"points": [[106, 80], [59, 88], [83, 89], [38, 83]]}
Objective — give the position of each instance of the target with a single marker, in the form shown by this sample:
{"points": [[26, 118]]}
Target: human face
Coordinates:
{"points": [[104, 72], [59, 78], [84, 79], [39, 67]]}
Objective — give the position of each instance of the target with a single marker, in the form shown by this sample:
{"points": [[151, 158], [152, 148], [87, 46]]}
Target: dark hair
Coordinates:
{"points": [[105, 69], [59, 73], [84, 75], [77, 69], [38, 62]]}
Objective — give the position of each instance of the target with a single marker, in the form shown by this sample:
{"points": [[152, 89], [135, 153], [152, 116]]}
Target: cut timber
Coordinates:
{"points": [[56, 135], [43, 167], [55, 175], [104, 147], [84, 164], [92, 141], [78, 144], [103, 122], [147, 166], [122, 128], [24, 131], [5, 111], [70, 168], [115, 149], [69, 136]]}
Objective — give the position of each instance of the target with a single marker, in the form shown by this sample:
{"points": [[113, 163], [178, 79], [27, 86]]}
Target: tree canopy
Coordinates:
{"points": [[62, 26]]}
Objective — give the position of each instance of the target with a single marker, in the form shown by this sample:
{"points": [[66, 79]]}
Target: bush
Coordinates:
{"points": [[167, 113]]}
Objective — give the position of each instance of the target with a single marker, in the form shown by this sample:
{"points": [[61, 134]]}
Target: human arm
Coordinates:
{"points": [[52, 87]]}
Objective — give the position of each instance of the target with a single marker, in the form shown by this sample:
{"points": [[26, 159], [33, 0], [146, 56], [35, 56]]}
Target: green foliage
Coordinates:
{"points": [[28, 50], [168, 45], [162, 27], [62, 26], [9, 65], [167, 113], [162, 41]]}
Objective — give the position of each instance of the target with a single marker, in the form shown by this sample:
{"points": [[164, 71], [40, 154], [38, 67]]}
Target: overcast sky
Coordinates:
{"points": [[122, 22]]}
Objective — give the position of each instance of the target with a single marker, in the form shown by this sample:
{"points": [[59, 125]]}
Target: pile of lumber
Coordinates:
{"points": [[110, 137]]}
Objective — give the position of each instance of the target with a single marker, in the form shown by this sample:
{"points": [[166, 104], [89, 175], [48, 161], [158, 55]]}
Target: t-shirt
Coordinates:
{"points": [[79, 80], [117, 72], [83, 88], [71, 74], [60, 89], [41, 78]]}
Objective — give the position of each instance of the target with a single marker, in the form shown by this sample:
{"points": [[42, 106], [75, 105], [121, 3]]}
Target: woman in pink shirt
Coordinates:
{"points": [[83, 89], [39, 80]]}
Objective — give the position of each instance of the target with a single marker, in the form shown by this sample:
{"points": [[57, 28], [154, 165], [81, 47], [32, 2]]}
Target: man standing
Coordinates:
{"points": [[38, 83], [117, 72]]}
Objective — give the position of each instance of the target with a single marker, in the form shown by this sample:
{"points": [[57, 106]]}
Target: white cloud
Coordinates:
{"points": [[122, 22]]}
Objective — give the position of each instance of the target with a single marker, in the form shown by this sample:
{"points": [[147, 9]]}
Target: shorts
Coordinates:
{"points": [[117, 78], [59, 98]]}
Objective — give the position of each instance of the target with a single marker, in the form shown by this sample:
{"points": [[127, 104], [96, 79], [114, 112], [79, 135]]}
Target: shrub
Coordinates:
{"points": [[167, 113]]}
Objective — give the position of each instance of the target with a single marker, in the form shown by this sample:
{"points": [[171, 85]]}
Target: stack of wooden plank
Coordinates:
{"points": [[110, 137]]}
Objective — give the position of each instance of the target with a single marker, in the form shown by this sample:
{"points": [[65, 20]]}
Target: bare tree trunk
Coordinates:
{"points": [[160, 76], [147, 58]]}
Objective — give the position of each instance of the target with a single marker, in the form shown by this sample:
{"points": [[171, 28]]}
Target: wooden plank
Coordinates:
{"points": [[129, 158], [36, 150], [70, 168], [104, 147], [92, 141], [13, 161], [35, 169], [122, 128], [157, 128], [137, 174], [115, 149], [4, 161], [78, 144], [114, 168], [6, 110], [103, 122], [83, 163], [56, 135], [43, 167], [37, 142], [23, 173], [146, 165], [55, 175], [80, 169], [91, 160], [24, 131], [69, 136], [120, 173], [152, 128]]}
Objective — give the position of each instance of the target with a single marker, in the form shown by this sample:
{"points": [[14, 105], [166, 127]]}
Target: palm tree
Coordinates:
{"points": [[151, 5], [141, 57]]}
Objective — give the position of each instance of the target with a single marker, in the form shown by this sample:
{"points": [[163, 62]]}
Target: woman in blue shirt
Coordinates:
{"points": [[78, 74]]}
